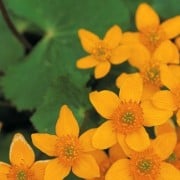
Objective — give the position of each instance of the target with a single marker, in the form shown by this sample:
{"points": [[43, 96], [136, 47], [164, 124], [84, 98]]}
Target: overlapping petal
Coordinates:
{"points": [[105, 102]]}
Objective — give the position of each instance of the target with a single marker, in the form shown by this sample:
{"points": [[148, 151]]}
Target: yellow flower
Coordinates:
{"points": [[148, 164], [126, 115], [149, 67], [169, 99], [102, 53], [69, 150], [105, 160], [22, 164], [151, 33]]}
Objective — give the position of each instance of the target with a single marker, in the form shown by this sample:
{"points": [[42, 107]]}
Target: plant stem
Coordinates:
{"points": [[13, 29]]}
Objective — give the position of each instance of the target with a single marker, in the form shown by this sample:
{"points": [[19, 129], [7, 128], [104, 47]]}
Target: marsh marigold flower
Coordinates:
{"points": [[23, 165], [169, 99], [149, 67], [102, 53], [69, 150], [148, 164], [151, 33], [126, 116]]}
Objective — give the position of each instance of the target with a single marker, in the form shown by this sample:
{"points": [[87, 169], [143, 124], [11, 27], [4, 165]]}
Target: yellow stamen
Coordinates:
{"points": [[127, 118], [145, 165], [20, 173], [152, 37], [101, 51], [68, 149]]}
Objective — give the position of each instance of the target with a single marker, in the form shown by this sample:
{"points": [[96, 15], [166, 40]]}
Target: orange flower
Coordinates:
{"points": [[104, 52], [151, 33], [169, 99], [69, 150], [22, 165], [105, 160], [148, 164], [126, 116]]}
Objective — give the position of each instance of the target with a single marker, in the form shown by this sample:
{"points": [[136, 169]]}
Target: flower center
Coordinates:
{"points": [[145, 165], [68, 149], [151, 75], [151, 37], [19, 173], [176, 96], [127, 118], [101, 51]]}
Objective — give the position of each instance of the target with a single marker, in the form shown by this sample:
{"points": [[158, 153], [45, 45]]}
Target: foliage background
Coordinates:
{"points": [[35, 83]]}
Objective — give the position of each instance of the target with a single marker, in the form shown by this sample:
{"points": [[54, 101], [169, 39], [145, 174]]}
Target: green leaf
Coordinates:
{"points": [[64, 91], [11, 49], [166, 9], [26, 82], [48, 77]]}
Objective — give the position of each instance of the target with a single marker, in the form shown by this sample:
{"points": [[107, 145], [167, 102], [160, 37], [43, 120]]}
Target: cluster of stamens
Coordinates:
{"points": [[101, 51], [127, 118], [151, 37], [68, 149]]}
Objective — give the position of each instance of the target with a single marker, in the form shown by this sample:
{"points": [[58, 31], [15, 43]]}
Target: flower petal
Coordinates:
{"points": [[131, 89], [105, 102], [104, 137], [164, 100], [164, 144], [100, 156], [168, 171], [168, 78], [130, 38], [154, 116], [148, 91], [113, 36], [38, 169], [138, 140], [120, 169], [21, 152], [66, 123], [178, 117], [120, 54], [56, 171], [171, 27], [121, 140], [88, 39], [86, 167], [87, 62], [4, 170], [146, 17], [116, 152], [165, 128], [121, 78], [86, 140], [102, 69], [45, 142], [167, 52], [140, 56]]}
